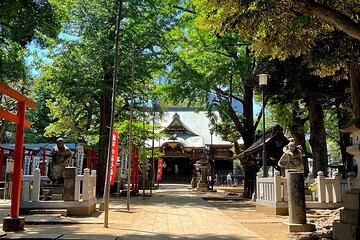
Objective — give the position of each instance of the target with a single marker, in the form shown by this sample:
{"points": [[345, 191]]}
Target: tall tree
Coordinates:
{"points": [[22, 21], [218, 72], [81, 72]]}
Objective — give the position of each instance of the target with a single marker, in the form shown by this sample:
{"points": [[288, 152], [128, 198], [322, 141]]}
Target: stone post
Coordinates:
{"points": [[296, 191], [321, 187], [69, 183], [297, 207], [36, 185], [277, 186], [86, 184]]}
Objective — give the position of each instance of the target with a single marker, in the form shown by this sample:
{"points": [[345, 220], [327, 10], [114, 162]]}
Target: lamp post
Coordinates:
{"points": [[212, 158], [263, 83]]}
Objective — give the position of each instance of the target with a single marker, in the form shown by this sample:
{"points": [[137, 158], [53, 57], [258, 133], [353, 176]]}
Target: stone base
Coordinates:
{"points": [[350, 216], [202, 187], [74, 208], [102, 206], [13, 224], [343, 231], [307, 227], [56, 197], [272, 208], [348, 227]]}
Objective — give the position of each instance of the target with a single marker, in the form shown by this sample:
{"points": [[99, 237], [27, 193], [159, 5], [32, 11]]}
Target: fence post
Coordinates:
{"points": [[78, 179], [337, 188], [36, 185], [86, 184], [25, 193], [321, 187], [93, 184], [277, 186], [258, 196]]}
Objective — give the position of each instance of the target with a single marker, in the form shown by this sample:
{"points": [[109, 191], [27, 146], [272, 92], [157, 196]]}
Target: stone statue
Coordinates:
{"points": [[291, 159], [60, 157]]}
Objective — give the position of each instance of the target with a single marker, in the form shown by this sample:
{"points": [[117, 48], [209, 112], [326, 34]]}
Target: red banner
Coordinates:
{"points": [[114, 156], [159, 171]]}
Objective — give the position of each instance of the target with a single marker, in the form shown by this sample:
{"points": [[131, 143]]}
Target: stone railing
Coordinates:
{"points": [[328, 189], [272, 191], [31, 185]]}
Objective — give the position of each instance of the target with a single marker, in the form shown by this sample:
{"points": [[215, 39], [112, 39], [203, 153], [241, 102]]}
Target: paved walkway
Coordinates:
{"points": [[172, 212]]}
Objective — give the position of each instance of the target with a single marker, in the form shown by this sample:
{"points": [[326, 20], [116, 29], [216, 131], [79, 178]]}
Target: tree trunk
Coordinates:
{"points": [[317, 135], [296, 128], [343, 117], [105, 110], [338, 19], [2, 129], [248, 105], [248, 136], [354, 76], [249, 180]]}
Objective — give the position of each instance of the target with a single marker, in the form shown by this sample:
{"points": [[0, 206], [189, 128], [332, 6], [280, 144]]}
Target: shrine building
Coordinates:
{"points": [[189, 138]]}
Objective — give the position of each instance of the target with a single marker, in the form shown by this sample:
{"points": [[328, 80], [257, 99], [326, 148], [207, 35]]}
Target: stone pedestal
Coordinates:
{"points": [[202, 165], [297, 207], [202, 186], [349, 225], [13, 224], [69, 183]]}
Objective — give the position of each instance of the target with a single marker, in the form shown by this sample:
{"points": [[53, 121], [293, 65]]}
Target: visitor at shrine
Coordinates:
{"points": [[217, 180], [229, 180]]}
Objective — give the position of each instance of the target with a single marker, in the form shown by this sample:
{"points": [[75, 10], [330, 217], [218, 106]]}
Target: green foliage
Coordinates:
{"points": [[80, 74], [287, 28]]}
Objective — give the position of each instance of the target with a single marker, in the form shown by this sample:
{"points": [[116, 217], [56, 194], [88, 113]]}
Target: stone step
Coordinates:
{"points": [[62, 212]]}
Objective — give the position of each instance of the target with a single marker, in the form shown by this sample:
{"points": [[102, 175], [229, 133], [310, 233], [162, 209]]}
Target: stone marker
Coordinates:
{"points": [[296, 189], [297, 207], [69, 183]]}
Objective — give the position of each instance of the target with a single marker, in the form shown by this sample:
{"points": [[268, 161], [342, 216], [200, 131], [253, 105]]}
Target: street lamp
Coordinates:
{"points": [[263, 83], [212, 159]]}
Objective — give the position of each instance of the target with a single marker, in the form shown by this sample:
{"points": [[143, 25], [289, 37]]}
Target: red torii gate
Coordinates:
{"points": [[14, 222]]}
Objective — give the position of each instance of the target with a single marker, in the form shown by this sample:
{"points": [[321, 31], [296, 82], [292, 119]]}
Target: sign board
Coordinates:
{"points": [[114, 156], [35, 164], [79, 159], [123, 164], [9, 165], [27, 163]]}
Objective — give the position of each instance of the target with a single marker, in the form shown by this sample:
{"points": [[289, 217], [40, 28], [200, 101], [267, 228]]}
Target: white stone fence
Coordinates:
{"points": [[31, 184], [273, 190]]}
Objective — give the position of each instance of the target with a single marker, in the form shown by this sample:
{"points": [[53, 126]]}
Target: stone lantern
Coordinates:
{"points": [[348, 226], [202, 165]]}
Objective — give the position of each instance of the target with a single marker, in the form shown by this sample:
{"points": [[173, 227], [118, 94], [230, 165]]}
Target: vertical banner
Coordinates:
{"points": [[36, 164], [159, 171], [27, 164], [114, 156], [123, 169], [80, 159]]}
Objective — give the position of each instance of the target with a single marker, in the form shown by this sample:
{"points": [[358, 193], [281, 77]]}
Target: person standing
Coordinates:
{"points": [[229, 180]]}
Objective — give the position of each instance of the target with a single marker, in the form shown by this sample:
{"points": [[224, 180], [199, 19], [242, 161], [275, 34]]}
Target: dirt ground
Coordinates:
{"points": [[274, 227]]}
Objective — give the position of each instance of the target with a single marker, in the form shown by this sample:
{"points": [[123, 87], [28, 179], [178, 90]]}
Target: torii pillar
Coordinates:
{"points": [[14, 222]]}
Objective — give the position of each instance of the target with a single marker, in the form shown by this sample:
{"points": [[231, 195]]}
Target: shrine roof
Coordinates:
{"points": [[188, 126], [273, 135]]}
